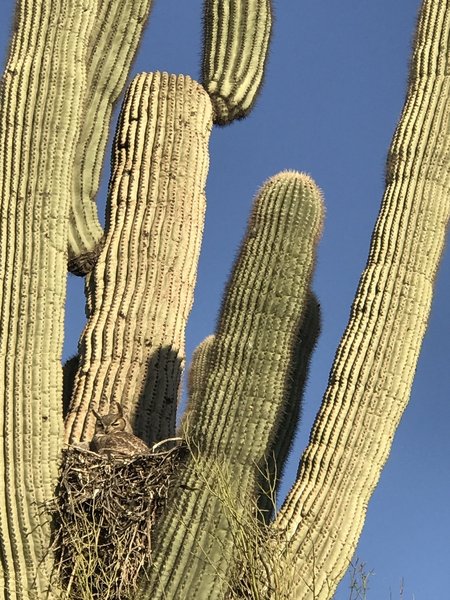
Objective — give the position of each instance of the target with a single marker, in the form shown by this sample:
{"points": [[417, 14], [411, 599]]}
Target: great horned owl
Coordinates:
{"points": [[114, 436]]}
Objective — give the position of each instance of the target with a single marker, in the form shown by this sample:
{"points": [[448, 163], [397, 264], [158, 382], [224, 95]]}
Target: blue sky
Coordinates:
{"points": [[334, 89]]}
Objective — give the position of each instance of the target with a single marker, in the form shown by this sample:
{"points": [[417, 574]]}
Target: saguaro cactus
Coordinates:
{"points": [[236, 41], [68, 62]]}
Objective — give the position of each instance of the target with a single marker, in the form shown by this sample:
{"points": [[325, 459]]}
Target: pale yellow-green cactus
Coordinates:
{"points": [[371, 379], [113, 42], [38, 130], [236, 43], [67, 65], [141, 290]]}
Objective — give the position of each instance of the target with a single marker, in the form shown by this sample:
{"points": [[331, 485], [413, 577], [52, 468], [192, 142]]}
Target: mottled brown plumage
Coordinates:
{"points": [[114, 436]]}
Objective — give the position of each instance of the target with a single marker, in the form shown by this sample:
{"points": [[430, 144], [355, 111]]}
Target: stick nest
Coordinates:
{"points": [[104, 513]]}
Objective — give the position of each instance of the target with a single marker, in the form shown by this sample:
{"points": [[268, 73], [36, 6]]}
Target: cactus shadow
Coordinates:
{"points": [[155, 412]]}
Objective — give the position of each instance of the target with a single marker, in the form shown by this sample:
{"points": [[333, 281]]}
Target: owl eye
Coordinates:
{"points": [[116, 424]]}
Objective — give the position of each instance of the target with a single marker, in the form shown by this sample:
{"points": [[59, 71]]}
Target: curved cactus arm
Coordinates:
{"points": [[42, 96], [141, 290], [372, 374], [112, 46], [242, 397], [235, 47], [199, 369]]}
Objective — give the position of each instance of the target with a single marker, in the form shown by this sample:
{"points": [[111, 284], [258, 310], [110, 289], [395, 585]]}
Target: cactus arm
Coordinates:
{"points": [[235, 48], [41, 104], [277, 454], [243, 394], [199, 369], [373, 370], [141, 290], [250, 317], [112, 46]]}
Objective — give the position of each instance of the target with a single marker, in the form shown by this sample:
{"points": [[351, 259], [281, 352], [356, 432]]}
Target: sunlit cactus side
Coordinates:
{"points": [[141, 290], [39, 127], [112, 46], [46, 90], [235, 48], [372, 375], [239, 398]]}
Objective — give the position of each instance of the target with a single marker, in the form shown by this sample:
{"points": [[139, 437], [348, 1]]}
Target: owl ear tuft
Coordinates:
{"points": [[119, 409], [96, 415], [99, 419]]}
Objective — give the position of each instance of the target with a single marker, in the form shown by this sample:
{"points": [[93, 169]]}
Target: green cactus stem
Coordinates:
{"points": [[236, 41], [243, 398], [295, 385], [199, 369], [141, 290], [112, 46], [371, 379], [43, 91]]}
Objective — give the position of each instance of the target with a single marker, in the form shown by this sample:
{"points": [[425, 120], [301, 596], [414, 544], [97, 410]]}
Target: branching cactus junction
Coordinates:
{"points": [[214, 531]]}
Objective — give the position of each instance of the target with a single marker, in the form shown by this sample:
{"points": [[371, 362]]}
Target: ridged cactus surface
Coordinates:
{"points": [[112, 45], [141, 290], [233, 422], [372, 375], [236, 43], [67, 65], [43, 93]]}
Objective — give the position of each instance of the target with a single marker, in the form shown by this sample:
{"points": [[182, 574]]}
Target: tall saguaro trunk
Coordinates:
{"points": [[43, 132], [372, 375], [40, 113]]}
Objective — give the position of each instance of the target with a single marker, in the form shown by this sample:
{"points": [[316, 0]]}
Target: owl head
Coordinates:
{"points": [[112, 422]]}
